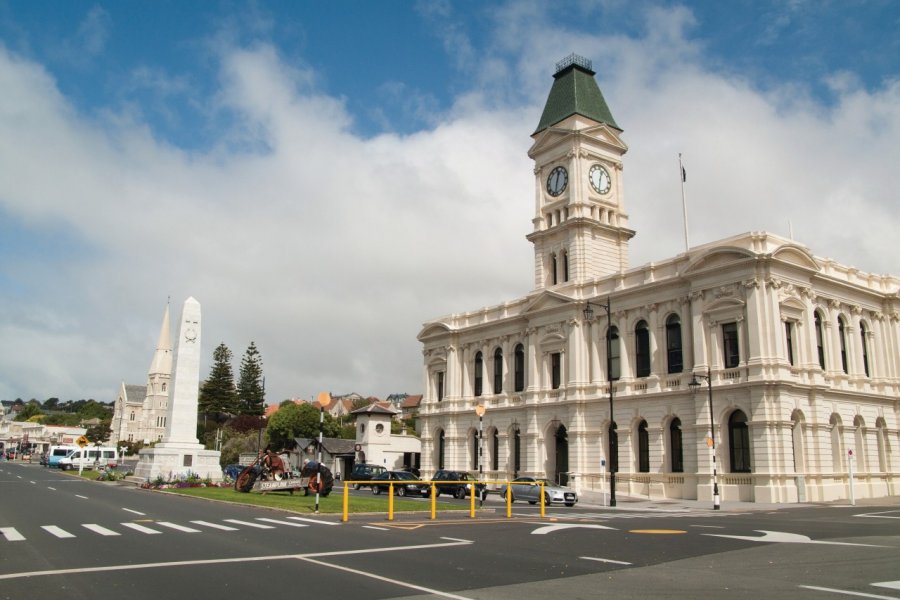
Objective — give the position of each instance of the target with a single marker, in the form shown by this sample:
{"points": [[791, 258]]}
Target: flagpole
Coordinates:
{"points": [[683, 176]]}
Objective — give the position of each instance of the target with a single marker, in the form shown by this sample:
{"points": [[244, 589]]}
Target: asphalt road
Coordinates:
{"points": [[62, 537]]}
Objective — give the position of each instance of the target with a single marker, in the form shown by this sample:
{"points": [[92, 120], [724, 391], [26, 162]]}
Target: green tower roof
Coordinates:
{"points": [[575, 91]]}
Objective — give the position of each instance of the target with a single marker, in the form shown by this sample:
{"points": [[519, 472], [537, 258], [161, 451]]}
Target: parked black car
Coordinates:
{"points": [[380, 483], [364, 472], [456, 485]]}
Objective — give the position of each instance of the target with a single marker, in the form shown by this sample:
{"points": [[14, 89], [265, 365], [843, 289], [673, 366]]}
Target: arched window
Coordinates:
{"points": [[555, 370], [498, 371], [881, 438], [565, 259], [164, 386], [863, 334], [439, 384], [479, 373], [553, 275], [520, 368], [643, 448], [675, 446], [615, 361], [861, 451], [837, 443], [495, 450], [641, 349], [613, 448], [820, 347], [440, 449], [842, 337], [739, 442], [674, 355]]}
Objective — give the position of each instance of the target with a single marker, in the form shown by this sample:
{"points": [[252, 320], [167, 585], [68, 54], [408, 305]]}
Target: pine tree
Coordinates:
{"points": [[251, 393], [218, 393]]}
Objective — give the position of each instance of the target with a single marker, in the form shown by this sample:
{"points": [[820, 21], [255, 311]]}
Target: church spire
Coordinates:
{"points": [[162, 358], [575, 91]]}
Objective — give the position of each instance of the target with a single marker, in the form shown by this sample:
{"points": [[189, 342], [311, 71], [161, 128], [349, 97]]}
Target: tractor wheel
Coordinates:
{"points": [[244, 482]]}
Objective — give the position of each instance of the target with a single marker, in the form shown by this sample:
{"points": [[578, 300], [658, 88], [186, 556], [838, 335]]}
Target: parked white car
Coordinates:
{"points": [[529, 489]]}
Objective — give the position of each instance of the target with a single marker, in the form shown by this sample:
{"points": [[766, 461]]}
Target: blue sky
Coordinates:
{"points": [[325, 176]]}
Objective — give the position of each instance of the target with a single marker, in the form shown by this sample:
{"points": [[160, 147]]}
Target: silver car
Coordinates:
{"points": [[528, 488]]}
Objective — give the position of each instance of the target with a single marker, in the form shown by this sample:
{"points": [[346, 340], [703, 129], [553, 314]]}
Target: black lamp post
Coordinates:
{"points": [[613, 438], [694, 385]]}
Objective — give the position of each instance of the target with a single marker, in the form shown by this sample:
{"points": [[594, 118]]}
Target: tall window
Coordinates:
{"points": [[674, 355], [565, 259], [820, 346], [555, 370], [615, 361], [498, 371], [863, 334], [439, 383], [739, 442], [613, 450], [479, 373], [495, 450], [643, 448], [641, 349], [554, 277], [440, 449], [842, 336], [520, 368], [789, 341], [730, 345], [675, 446]]}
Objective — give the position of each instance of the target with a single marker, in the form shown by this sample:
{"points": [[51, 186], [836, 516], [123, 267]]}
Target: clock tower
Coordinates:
{"points": [[580, 224]]}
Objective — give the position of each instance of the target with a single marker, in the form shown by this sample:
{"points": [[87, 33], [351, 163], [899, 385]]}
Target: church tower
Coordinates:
{"points": [[580, 224], [159, 376]]}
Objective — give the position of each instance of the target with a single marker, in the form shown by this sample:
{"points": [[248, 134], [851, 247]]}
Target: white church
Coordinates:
{"points": [[794, 359]]}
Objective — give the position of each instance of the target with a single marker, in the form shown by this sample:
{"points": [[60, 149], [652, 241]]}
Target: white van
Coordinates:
{"points": [[88, 457], [57, 453]]}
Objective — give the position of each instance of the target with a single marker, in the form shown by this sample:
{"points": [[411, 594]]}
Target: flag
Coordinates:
{"points": [[683, 175]]}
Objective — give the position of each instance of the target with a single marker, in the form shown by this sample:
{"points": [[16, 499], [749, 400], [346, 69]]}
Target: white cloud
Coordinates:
{"points": [[329, 250]]}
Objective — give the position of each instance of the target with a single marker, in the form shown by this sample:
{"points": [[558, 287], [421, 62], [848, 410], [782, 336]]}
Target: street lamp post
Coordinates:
{"points": [[613, 438], [694, 384]]}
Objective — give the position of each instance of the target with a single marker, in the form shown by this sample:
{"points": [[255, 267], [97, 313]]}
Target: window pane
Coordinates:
{"points": [[730, 345], [555, 374], [642, 350], [673, 345]]}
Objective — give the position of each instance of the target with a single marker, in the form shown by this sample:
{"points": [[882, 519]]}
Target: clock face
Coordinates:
{"points": [[599, 178], [557, 181]]}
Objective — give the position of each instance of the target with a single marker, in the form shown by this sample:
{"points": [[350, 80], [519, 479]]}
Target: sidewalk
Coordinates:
{"points": [[624, 503]]}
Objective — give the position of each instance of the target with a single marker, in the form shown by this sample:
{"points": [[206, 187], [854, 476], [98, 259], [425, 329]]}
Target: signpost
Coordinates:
{"points": [[324, 401], [479, 410]]}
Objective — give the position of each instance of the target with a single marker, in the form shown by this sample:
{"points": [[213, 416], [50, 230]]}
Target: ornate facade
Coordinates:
{"points": [[802, 354]]}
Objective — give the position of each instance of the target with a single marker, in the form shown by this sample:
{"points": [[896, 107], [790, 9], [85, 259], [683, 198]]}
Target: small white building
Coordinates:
{"points": [[378, 446]]}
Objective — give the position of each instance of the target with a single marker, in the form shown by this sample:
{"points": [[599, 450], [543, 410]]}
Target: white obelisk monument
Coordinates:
{"points": [[180, 453]]}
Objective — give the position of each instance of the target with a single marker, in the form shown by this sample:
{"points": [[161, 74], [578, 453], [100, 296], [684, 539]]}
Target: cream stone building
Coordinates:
{"points": [[140, 410], [802, 354]]}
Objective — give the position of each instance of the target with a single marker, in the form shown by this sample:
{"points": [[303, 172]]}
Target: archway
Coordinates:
{"points": [[562, 456]]}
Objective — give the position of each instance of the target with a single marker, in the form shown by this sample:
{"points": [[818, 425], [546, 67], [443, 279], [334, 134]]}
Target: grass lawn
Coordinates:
{"points": [[299, 503]]}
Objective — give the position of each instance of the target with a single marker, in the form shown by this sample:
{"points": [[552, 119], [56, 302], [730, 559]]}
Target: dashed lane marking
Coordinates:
{"points": [[136, 512], [98, 529], [280, 522], [141, 528], [249, 524], [215, 525], [316, 521], [57, 531], [82, 497], [11, 534], [605, 560], [177, 527]]}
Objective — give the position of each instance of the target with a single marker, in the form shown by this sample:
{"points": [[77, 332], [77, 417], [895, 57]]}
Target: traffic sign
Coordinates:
{"points": [[82, 441]]}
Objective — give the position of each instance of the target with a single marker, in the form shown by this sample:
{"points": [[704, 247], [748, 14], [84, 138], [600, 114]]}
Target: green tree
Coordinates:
{"points": [[218, 393], [298, 420], [92, 409], [250, 388], [51, 403], [29, 411], [99, 433]]}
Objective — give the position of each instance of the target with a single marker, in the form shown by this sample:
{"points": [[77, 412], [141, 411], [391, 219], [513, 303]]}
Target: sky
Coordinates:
{"points": [[325, 177]]}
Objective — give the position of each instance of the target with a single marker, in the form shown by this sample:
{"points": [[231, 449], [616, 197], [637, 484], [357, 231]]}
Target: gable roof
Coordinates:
{"points": [[575, 91]]}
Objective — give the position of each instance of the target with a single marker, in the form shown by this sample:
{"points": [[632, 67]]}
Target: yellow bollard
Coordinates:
{"points": [[508, 500], [542, 499], [391, 501], [472, 494], [346, 515], [433, 502]]}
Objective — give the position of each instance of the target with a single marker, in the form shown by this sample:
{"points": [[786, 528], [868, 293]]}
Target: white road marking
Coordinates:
{"points": [[560, 526], [11, 534], [60, 533], [248, 524], [219, 561], [316, 521], [606, 560], [374, 527], [709, 526], [80, 496], [458, 540], [215, 525], [135, 512], [31, 482], [98, 529], [894, 585], [51, 488], [847, 592], [785, 538], [140, 528], [177, 527], [880, 515], [280, 522]]}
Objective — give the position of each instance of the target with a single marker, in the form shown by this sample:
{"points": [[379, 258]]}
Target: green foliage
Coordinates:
{"points": [[99, 433], [130, 448], [91, 409], [250, 389], [29, 411], [62, 418], [218, 393], [348, 432], [298, 420], [237, 442]]}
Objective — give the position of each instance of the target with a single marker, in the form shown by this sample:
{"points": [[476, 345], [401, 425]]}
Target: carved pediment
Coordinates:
{"points": [[796, 255], [546, 300], [715, 258], [433, 329]]}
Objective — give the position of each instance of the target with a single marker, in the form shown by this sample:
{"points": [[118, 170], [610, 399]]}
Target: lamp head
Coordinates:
{"points": [[694, 384]]}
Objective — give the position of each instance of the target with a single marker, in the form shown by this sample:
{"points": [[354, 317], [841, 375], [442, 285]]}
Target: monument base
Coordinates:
{"points": [[171, 461]]}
